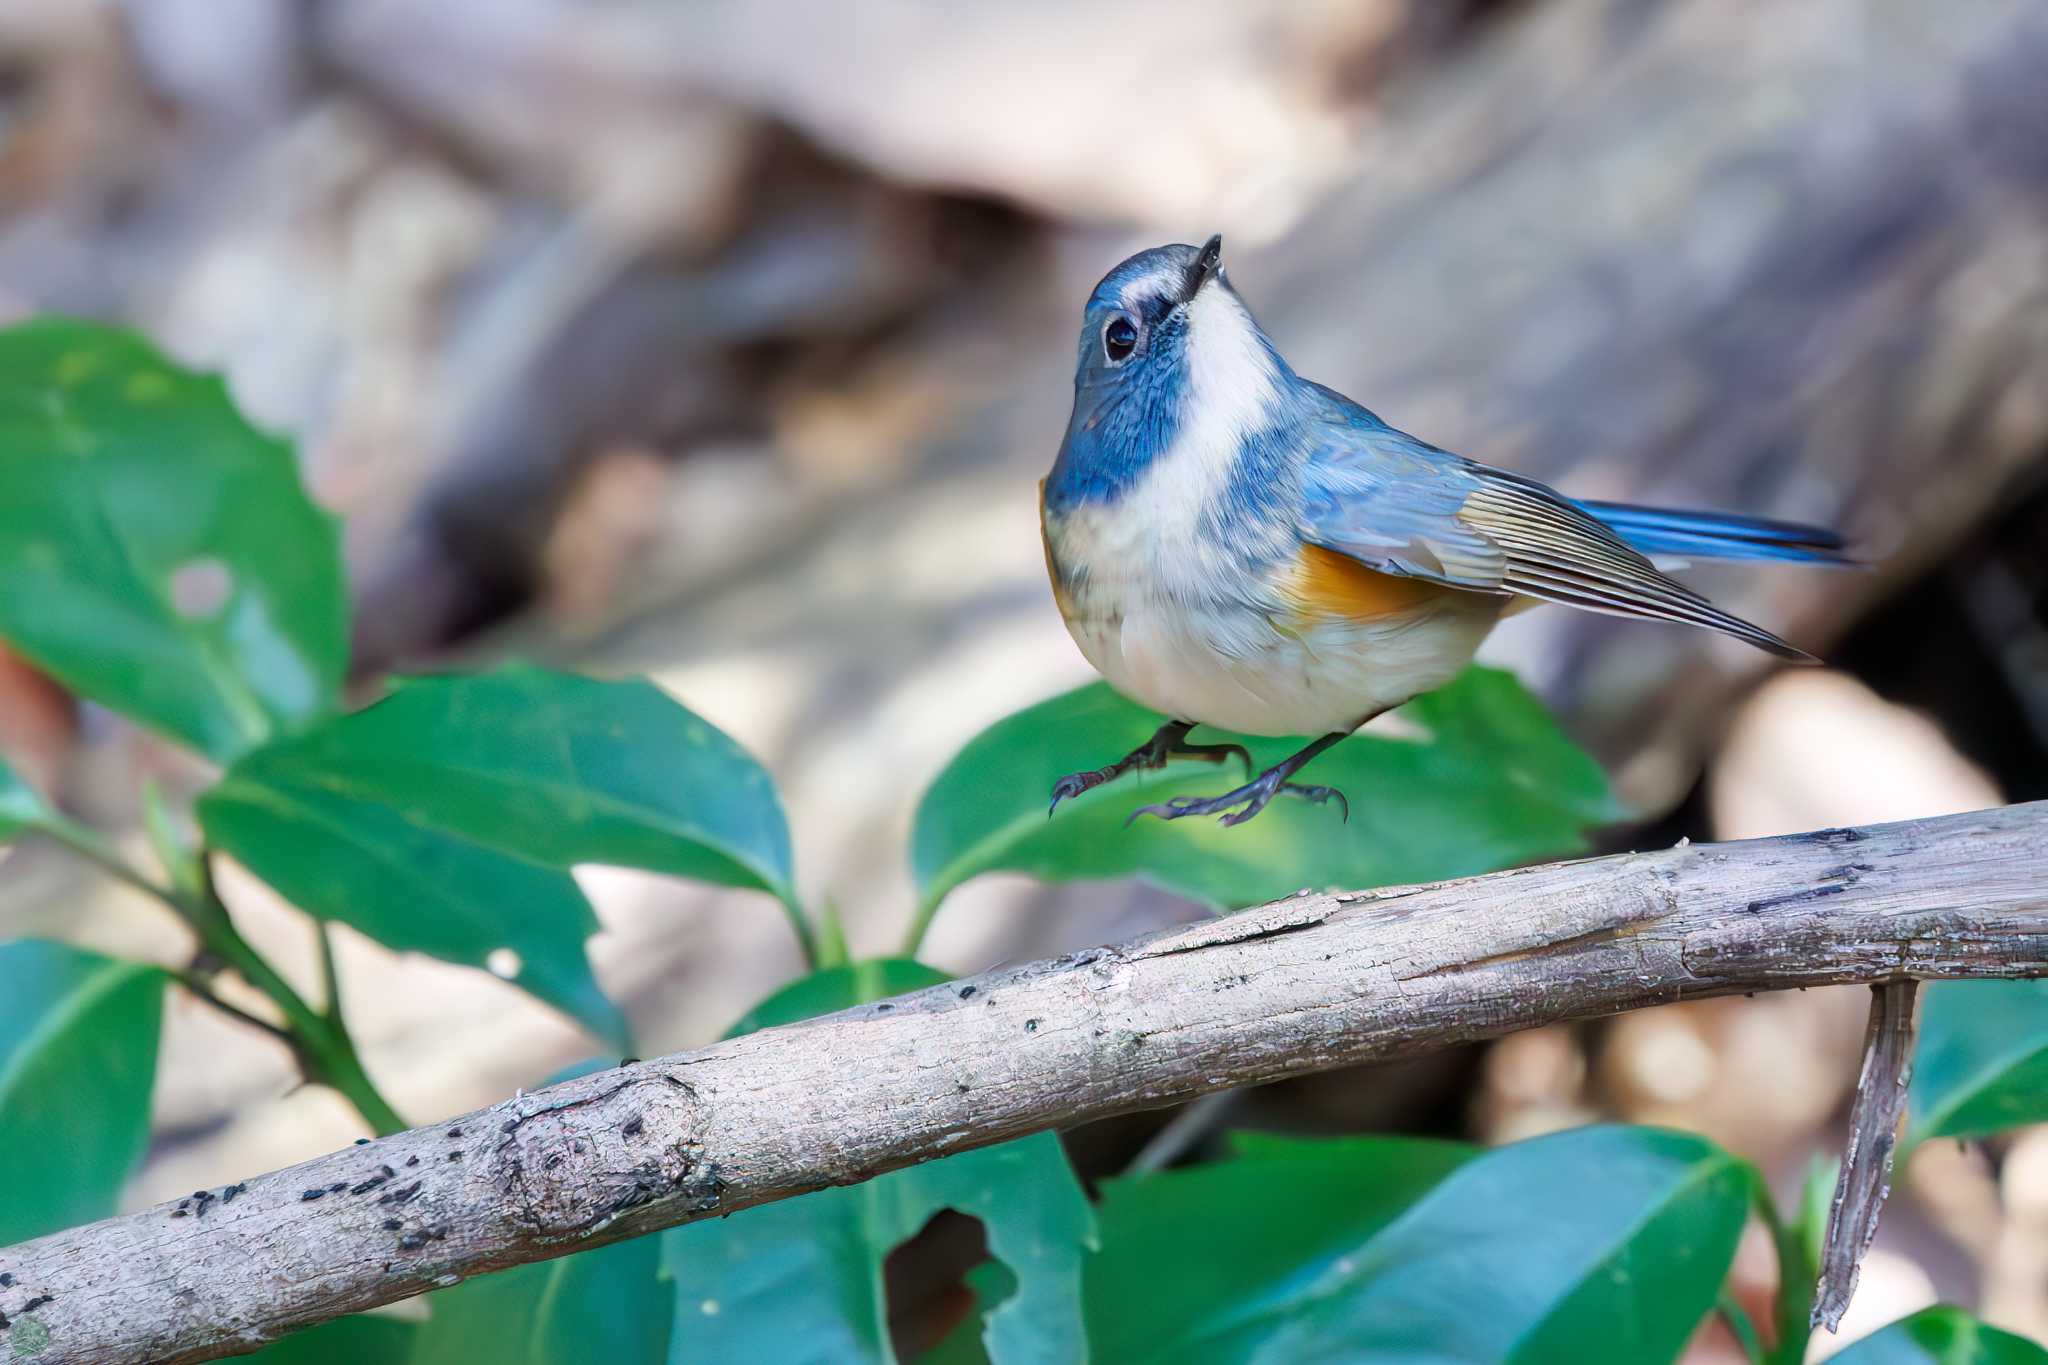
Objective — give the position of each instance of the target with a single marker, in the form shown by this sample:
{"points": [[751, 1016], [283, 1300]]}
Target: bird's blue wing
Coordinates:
{"points": [[1403, 506], [1391, 502]]}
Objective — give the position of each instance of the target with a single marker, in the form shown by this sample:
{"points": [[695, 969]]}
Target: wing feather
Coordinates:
{"points": [[1403, 506], [1560, 553], [1391, 502]]}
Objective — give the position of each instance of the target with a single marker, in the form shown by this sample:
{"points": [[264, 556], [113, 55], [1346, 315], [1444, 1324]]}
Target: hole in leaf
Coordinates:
{"points": [[200, 588], [925, 1283], [503, 963]]}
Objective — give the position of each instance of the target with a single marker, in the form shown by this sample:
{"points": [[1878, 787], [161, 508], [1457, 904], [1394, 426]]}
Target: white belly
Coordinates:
{"points": [[1233, 668]]}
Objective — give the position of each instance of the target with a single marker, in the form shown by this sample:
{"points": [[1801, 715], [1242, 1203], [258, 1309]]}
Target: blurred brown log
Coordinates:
{"points": [[747, 211], [1709, 252], [1304, 984], [1702, 252], [1728, 253]]}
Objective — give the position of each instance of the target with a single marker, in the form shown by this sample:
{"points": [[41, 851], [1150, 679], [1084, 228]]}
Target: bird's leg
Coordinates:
{"points": [[1169, 742], [1254, 795]]}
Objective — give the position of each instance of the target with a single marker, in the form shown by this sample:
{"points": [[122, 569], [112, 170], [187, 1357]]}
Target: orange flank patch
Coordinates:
{"points": [[1330, 586], [1060, 594]]}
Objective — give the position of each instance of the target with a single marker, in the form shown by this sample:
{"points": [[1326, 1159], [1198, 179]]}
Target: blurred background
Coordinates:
{"points": [[726, 343]]}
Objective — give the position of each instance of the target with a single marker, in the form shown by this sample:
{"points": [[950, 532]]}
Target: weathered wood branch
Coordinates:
{"points": [[1300, 985], [1865, 1181]]}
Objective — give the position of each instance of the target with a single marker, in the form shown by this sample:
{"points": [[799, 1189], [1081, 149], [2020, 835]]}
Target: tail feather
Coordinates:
{"points": [[1720, 535]]}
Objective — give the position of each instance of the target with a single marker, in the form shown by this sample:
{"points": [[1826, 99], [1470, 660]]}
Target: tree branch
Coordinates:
{"points": [[1866, 1177], [1300, 985]]}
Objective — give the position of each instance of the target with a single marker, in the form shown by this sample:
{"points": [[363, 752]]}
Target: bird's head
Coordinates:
{"points": [[1168, 354]]}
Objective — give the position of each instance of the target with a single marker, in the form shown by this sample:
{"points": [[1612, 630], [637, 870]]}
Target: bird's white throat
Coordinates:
{"points": [[1160, 539], [1233, 379]]}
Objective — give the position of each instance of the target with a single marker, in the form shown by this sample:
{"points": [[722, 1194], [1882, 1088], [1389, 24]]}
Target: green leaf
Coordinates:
{"points": [[20, 806], [558, 769], [802, 1279], [1288, 1211], [990, 1282], [406, 885], [359, 1340], [605, 1305], [1983, 1060], [1816, 1195], [444, 818], [1637, 1227], [1597, 1245], [159, 553], [1491, 782], [1799, 1241], [1942, 1336], [180, 860], [78, 1037]]}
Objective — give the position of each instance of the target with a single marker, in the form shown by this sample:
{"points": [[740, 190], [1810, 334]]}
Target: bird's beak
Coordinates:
{"points": [[1207, 265]]}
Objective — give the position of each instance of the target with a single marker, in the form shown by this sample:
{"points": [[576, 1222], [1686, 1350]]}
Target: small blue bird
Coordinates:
{"points": [[1235, 546]]}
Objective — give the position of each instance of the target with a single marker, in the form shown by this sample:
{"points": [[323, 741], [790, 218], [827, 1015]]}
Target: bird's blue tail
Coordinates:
{"points": [[1720, 535]]}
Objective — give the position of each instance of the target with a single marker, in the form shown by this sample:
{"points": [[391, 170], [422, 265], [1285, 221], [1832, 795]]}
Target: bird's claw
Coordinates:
{"points": [[1070, 786], [1154, 754], [1317, 796], [1238, 806]]}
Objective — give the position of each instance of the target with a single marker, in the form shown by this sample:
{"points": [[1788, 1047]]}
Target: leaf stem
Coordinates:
{"points": [[921, 920], [1738, 1322], [800, 923], [198, 984], [1796, 1276], [322, 1045], [1188, 1128], [831, 939], [89, 844], [326, 1052], [330, 976]]}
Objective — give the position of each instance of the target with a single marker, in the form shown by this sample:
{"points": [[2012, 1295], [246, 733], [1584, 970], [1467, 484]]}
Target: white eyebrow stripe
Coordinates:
{"points": [[1150, 285]]}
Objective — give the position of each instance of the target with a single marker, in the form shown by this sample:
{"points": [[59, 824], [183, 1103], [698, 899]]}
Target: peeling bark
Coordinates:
{"points": [[1866, 1176]]}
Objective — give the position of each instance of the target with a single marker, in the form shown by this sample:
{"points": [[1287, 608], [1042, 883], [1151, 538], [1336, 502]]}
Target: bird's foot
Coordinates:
{"points": [[1073, 784], [1168, 743], [1212, 753], [1238, 806]]}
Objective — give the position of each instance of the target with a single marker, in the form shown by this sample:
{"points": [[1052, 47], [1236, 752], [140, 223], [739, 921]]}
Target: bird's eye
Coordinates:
{"points": [[1119, 339]]}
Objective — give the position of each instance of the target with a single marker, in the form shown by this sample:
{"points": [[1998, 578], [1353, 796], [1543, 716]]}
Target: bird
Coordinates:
{"points": [[1234, 546]]}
